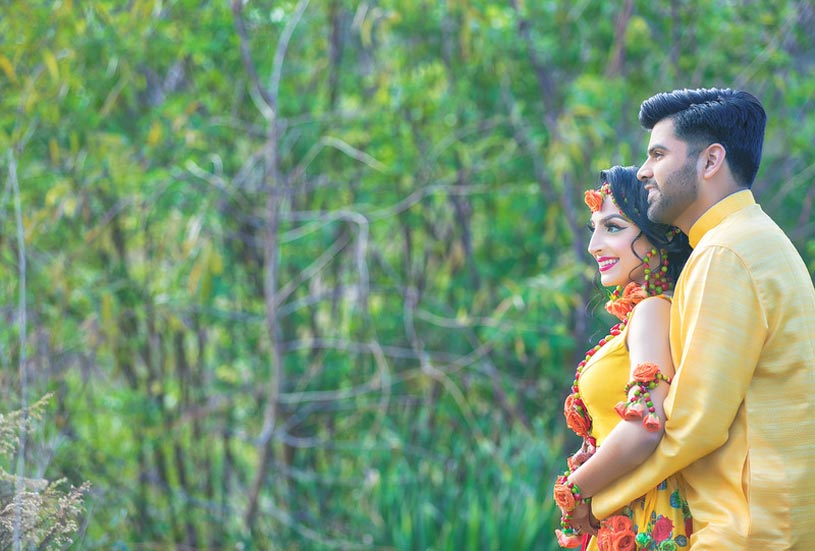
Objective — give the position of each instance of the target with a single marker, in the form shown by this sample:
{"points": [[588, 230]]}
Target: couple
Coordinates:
{"points": [[701, 401]]}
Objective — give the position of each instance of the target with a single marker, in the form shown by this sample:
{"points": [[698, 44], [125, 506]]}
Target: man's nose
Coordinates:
{"points": [[644, 173]]}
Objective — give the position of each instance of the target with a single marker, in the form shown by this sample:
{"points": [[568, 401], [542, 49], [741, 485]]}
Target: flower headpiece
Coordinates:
{"points": [[594, 197]]}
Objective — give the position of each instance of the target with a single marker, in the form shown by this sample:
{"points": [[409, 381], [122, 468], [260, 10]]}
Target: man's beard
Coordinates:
{"points": [[674, 195]]}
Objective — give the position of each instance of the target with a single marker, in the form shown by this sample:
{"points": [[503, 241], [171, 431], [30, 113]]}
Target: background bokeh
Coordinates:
{"points": [[312, 275]]}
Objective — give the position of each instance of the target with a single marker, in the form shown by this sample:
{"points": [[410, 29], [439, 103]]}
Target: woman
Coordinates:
{"points": [[616, 399]]}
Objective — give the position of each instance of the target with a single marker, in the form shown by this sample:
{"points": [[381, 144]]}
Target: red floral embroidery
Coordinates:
{"points": [[663, 528]]}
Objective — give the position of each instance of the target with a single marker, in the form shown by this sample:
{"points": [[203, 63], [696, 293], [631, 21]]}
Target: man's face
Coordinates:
{"points": [[670, 176]]}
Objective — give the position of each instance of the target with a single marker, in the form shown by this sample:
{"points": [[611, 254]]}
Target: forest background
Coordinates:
{"points": [[312, 275]]}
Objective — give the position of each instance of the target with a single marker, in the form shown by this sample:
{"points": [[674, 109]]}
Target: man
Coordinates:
{"points": [[741, 408]]}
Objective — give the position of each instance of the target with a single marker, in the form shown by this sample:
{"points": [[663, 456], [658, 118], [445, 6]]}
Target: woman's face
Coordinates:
{"points": [[611, 245]]}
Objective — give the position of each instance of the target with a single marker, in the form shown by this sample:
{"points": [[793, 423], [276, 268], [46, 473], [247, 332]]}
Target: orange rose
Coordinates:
{"points": [[651, 423], [593, 199], [645, 372], [564, 497], [632, 295], [576, 419], [618, 309], [634, 411], [623, 541], [619, 523], [604, 539], [568, 541], [634, 292]]}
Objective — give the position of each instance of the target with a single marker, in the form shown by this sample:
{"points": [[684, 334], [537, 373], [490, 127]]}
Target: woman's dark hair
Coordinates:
{"points": [[733, 118], [632, 199]]}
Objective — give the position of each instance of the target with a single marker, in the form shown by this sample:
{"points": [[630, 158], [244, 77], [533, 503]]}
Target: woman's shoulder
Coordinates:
{"points": [[654, 307]]}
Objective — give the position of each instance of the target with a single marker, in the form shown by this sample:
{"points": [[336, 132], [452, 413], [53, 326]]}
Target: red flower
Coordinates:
{"points": [[593, 199], [663, 528]]}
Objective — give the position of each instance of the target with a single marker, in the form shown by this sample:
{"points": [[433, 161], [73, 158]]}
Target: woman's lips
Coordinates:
{"points": [[605, 263]]}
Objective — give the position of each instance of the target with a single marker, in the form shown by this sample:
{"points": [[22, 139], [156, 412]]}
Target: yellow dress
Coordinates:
{"points": [[660, 520]]}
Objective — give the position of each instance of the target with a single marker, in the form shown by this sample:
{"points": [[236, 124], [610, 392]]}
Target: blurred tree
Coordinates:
{"points": [[312, 274]]}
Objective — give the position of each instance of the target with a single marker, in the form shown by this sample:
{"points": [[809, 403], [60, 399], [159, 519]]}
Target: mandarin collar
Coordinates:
{"points": [[718, 212]]}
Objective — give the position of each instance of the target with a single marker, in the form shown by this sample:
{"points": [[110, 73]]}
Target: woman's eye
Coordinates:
{"points": [[613, 228]]}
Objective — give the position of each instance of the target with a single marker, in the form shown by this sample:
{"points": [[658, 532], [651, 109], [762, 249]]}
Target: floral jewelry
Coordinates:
{"points": [[622, 301], [567, 494], [567, 497], [656, 281], [646, 377]]}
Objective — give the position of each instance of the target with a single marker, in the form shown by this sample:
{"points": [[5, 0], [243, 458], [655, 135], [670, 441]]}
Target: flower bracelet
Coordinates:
{"points": [[567, 495]]}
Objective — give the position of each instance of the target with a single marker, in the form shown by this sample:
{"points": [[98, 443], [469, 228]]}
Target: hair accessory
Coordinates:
{"points": [[594, 197]]}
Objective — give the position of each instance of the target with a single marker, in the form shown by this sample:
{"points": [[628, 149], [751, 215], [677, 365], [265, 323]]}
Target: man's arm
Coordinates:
{"points": [[720, 329]]}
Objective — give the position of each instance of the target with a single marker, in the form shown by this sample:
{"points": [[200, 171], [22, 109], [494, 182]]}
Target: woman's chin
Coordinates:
{"points": [[608, 281]]}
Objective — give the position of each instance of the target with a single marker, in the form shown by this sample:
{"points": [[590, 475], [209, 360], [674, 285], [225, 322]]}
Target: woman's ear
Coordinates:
{"points": [[713, 157]]}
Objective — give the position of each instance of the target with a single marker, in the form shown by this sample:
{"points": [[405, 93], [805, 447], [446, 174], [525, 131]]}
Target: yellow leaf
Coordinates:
{"points": [[195, 274], [108, 321], [8, 68], [216, 263], [154, 135], [51, 63], [55, 194], [69, 206], [53, 150]]}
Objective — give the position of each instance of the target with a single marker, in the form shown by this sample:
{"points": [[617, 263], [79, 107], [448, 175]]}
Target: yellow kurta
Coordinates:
{"points": [[602, 385], [741, 408]]}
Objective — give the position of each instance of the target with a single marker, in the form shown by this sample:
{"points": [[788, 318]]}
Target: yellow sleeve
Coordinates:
{"points": [[718, 327]]}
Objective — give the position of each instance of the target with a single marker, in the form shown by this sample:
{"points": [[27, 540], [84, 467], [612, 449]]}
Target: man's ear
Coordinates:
{"points": [[713, 157]]}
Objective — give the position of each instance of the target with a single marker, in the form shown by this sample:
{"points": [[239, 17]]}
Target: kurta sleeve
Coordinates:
{"points": [[718, 329]]}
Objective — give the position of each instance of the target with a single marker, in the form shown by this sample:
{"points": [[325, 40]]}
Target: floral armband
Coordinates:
{"points": [[639, 405]]}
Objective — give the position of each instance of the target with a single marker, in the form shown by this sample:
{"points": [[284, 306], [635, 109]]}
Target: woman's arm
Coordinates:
{"points": [[630, 443]]}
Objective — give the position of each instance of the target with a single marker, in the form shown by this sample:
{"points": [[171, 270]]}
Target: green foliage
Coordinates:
{"points": [[323, 261]]}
